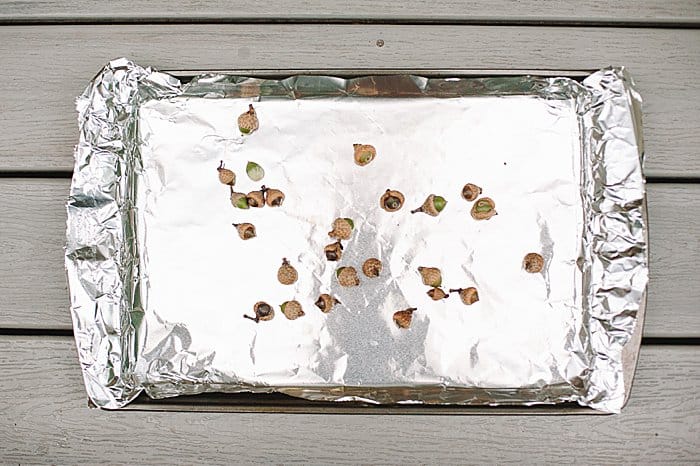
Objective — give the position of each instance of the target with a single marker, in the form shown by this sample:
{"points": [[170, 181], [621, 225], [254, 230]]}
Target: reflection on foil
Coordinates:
{"points": [[160, 278]]}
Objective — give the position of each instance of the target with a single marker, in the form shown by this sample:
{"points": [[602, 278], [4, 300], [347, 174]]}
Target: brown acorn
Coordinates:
{"points": [[431, 276], [256, 198], [325, 303], [364, 154], [292, 309], [533, 263], [372, 267], [248, 121], [287, 274], [273, 197], [403, 319], [239, 200], [470, 192], [333, 251], [484, 209], [342, 228], [391, 201], [467, 295], [437, 294], [347, 276], [245, 230], [226, 176], [263, 311], [432, 206]]}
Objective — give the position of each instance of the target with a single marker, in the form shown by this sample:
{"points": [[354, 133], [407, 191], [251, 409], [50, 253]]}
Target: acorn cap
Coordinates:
{"points": [[470, 192], [403, 319], [483, 209], [533, 262], [391, 200], [431, 276]]}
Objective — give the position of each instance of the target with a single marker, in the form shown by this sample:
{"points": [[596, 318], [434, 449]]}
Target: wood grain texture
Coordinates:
{"points": [[33, 291], [675, 11], [45, 67], [45, 419]]}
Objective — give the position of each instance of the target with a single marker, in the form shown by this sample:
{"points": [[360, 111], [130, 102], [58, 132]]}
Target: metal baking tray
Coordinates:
{"points": [[160, 279]]}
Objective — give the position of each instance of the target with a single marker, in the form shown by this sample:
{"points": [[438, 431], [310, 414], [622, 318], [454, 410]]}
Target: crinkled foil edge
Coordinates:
{"points": [[611, 121], [107, 307], [100, 255]]}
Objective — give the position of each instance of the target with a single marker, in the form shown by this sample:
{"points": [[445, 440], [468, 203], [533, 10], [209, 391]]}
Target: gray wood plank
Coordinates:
{"points": [[657, 11], [45, 67], [45, 419], [33, 291]]}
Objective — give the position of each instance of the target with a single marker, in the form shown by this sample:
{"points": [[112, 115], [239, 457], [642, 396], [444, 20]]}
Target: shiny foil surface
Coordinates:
{"points": [[160, 279]]}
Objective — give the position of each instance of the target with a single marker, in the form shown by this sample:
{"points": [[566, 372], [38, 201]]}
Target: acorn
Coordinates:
{"points": [[391, 201], [263, 311], [325, 303], [431, 276], [533, 263], [403, 319], [256, 198], [484, 209], [287, 274], [245, 230], [347, 276], [342, 228], [273, 197], [248, 121], [432, 206], [364, 153], [436, 294], [372, 267], [239, 200], [467, 295], [292, 309], [226, 176], [333, 251], [470, 192]]}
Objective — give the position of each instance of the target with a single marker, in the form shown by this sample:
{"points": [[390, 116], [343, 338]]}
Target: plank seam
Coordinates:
{"points": [[670, 23]]}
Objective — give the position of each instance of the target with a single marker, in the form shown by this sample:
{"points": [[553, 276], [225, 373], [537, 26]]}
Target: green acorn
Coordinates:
{"points": [[292, 309], [239, 200], [248, 121], [432, 206]]}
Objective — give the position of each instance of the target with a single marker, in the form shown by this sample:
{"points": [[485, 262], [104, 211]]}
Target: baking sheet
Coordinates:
{"points": [[184, 278]]}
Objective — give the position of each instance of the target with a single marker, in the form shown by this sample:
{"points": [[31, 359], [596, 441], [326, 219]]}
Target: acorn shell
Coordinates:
{"points": [[333, 251], [274, 197], [437, 294], [226, 176], [468, 295], [342, 228], [256, 199], [347, 276], [403, 319], [239, 200], [263, 313], [431, 276], [478, 209], [533, 263], [372, 267], [246, 231], [325, 303], [388, 194], [292, 309], [287, 274], [248, 121], [364, 153], [470, 192]]}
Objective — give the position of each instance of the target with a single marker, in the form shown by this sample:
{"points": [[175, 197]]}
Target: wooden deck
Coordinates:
{"points": [[49, 49]]}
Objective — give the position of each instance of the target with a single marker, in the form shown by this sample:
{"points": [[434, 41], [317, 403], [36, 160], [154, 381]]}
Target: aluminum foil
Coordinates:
{"points": [[160, 280]]}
